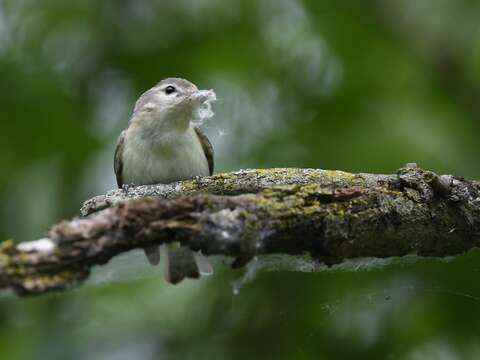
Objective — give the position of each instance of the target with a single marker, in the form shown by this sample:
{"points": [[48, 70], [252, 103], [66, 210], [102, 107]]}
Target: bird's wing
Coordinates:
{"points": [[118, 161], [207, 148]]}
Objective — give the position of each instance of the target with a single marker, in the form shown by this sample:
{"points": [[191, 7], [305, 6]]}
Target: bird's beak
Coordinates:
{"points": [[200, 96]]}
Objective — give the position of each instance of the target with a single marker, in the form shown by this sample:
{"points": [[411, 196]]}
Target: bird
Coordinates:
{"points": [[162, 145]]}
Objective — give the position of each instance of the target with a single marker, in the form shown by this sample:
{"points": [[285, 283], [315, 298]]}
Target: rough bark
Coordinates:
{"points": [[331, 215]]}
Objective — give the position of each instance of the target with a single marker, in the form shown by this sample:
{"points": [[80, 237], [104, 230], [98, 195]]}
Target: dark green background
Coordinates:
{"points": [[352, 85]]}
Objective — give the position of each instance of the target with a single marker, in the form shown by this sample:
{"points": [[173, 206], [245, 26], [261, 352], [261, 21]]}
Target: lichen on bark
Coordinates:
{"points": [[331, 215]]}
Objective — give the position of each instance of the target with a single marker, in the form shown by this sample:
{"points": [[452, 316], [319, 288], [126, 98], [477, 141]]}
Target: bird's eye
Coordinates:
{"points": [[170, 89]]}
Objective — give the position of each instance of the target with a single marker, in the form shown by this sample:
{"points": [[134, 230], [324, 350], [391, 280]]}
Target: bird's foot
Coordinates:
{"points": [[126, 187]]}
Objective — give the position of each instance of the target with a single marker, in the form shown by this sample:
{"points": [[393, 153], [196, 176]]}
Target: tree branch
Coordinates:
{"points": [[331, 215]]}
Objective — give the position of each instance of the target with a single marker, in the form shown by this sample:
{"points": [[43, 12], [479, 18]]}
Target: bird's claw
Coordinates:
{"points": [[126, 187]]}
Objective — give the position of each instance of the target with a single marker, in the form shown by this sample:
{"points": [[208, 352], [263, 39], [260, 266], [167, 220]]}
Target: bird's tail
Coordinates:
{"points": [[180, 262]]}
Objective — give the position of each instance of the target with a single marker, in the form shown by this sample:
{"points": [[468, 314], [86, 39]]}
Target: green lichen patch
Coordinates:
{"points": [[41, 283]]}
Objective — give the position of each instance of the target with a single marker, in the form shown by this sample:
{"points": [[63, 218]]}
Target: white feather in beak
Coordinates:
{"points": [[202, 109]]}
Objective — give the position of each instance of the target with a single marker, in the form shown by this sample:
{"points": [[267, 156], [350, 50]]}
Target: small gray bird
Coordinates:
{"points": [[160, 146]]}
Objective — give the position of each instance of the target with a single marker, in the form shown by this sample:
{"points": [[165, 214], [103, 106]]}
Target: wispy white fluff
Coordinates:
{"points": [[204, 111]]}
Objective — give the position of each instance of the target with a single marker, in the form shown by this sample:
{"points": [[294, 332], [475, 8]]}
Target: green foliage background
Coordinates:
{"points": [[352, 85]]}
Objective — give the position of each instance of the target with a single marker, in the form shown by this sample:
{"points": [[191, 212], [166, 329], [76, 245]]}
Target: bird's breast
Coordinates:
{"points": [[164, 159]]}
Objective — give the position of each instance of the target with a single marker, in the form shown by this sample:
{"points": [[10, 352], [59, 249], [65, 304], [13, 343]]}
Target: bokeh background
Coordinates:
{"points": [[352, 85]]}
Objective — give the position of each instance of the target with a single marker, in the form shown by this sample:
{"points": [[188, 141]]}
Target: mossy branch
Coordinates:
{"points": [[331, 215]]}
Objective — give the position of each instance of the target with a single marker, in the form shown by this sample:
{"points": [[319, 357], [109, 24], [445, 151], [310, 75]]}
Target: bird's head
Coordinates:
{"points": [[171, 103]]}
